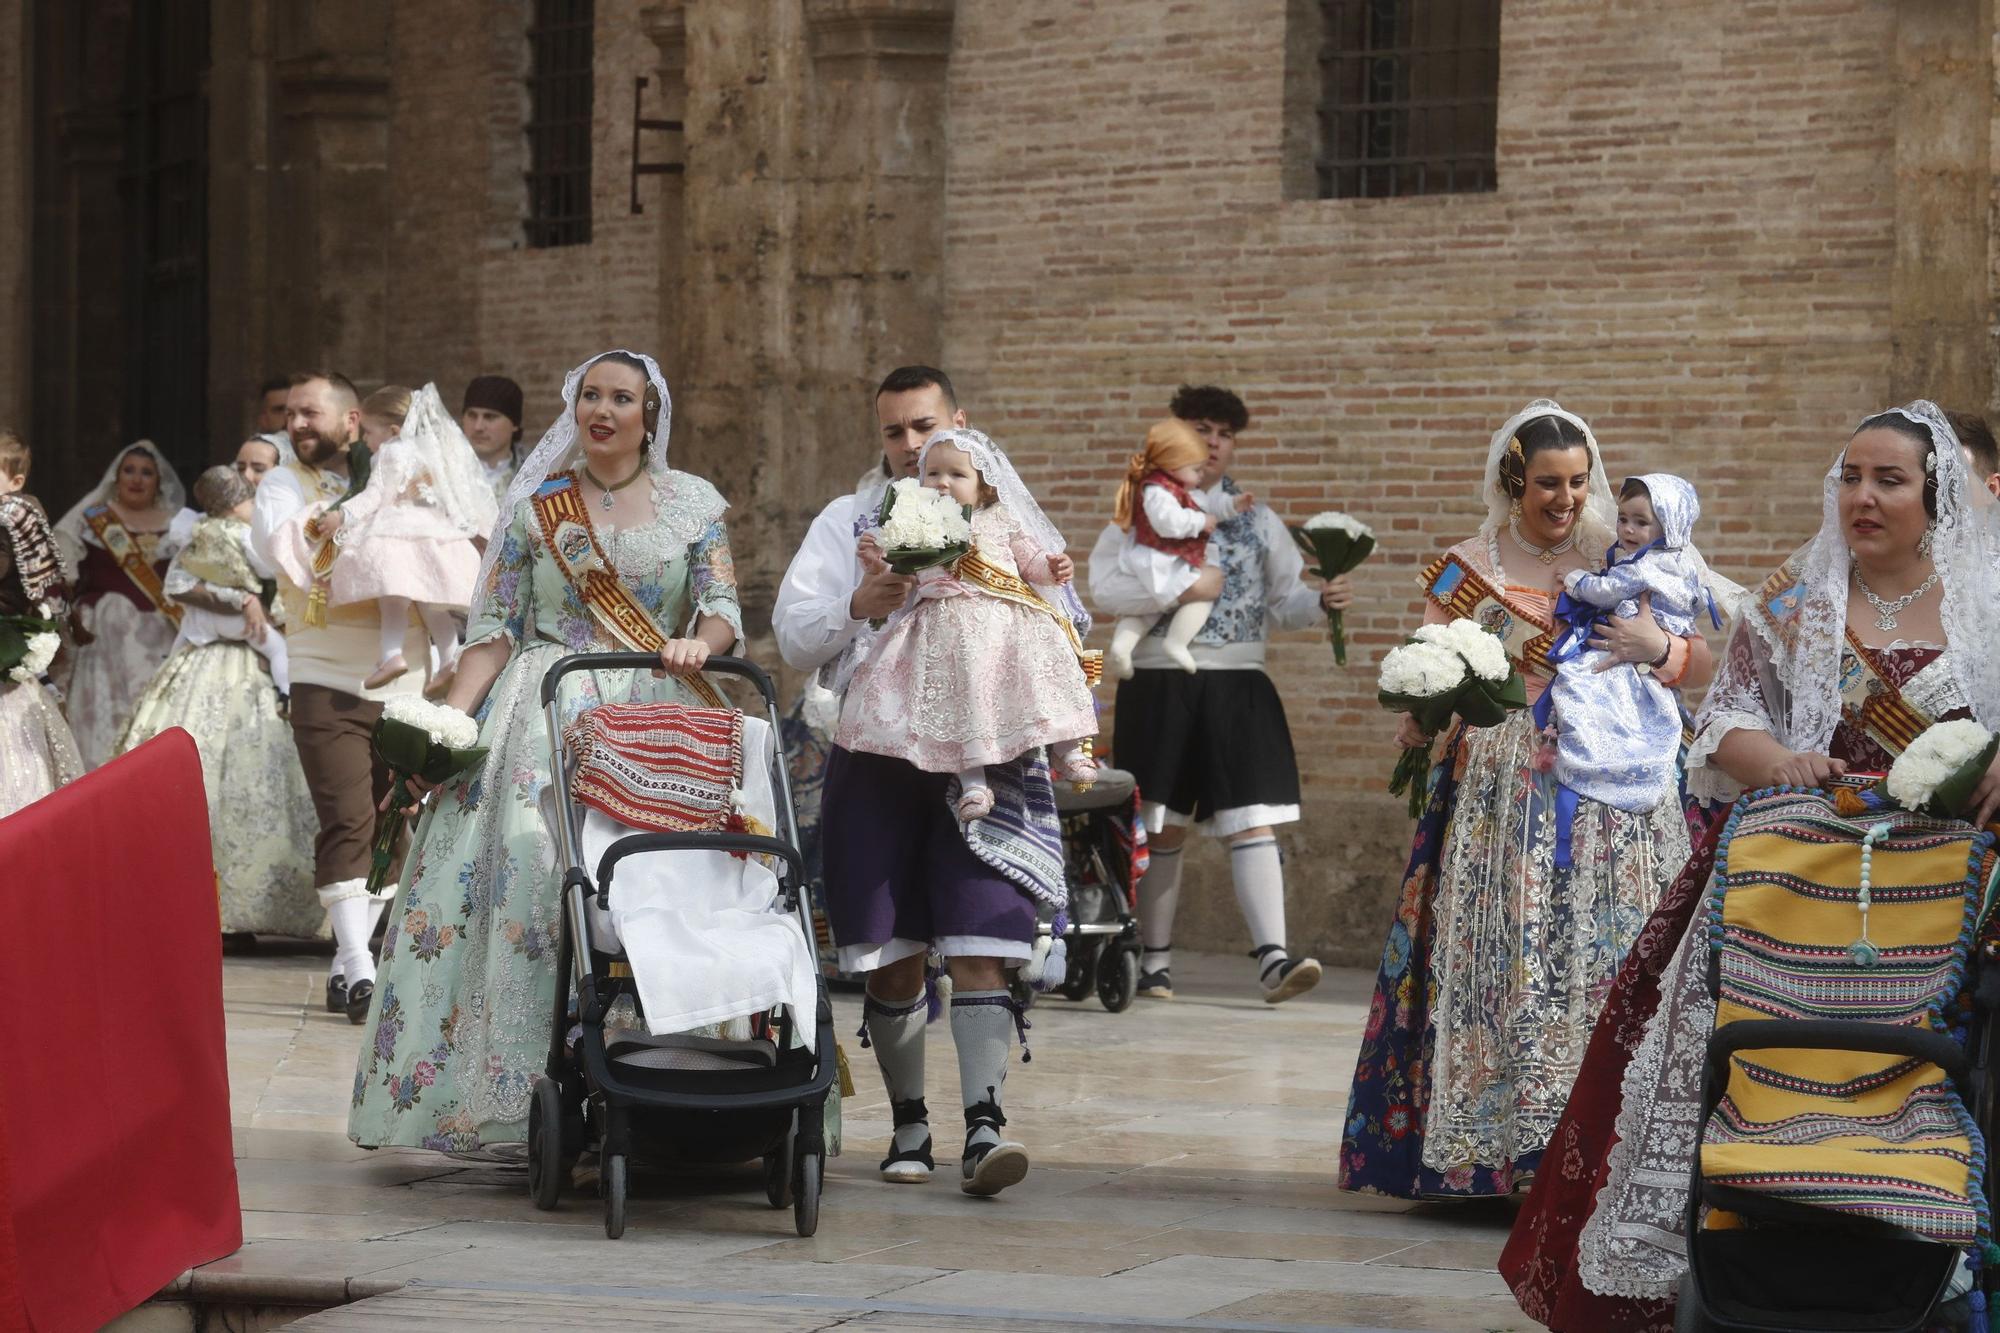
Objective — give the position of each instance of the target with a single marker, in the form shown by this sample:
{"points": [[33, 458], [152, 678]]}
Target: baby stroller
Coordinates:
{"points": [[614, 1079], [1103, 857], [1841, 1177]]}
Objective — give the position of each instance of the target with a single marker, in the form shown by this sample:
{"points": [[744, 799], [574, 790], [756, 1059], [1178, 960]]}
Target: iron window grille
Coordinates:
{"points": [[561, 88], [1409, 97]]}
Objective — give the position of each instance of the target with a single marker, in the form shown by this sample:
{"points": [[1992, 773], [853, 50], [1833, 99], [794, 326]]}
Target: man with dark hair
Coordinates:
{"points": [[1211, 749], [271, 395], [901, 877], [491, 419], [332, 649], [1982, 453]]}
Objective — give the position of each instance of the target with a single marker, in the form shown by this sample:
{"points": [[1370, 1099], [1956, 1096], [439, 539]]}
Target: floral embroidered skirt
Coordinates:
{"points": [[37, 753], [459, 1024], [1496, 965]]}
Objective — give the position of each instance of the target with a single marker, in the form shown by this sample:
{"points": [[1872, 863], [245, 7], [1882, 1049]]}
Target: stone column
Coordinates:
{"points": [[241, 196], [328, 288], [1941, 299], [16, 163]]}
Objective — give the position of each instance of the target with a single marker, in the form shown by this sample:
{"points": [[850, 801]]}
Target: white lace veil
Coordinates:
{"points": [[559, 449], [171, 499], [1805, 653], [1678, 508], [438, 446], [1598, 525], [999, 473]]}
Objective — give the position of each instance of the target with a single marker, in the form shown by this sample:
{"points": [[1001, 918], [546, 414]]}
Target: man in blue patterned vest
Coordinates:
{"points": [[1211, 749]]}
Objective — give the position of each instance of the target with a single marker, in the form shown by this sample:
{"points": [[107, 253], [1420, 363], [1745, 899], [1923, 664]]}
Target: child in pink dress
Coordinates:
{"points": [[980, 668], [408, 537]]}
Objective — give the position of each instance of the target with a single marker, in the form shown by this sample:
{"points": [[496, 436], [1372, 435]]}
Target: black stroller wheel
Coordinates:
{"points": [[778, 1170], [805, 1194], [613, 1184], [545, 1145], [1082, 972], [1118, 980]]}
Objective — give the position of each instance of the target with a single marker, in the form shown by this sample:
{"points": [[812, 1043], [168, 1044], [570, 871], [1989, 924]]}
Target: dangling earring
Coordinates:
{"points": [[1925, 542], [1514, 510]]}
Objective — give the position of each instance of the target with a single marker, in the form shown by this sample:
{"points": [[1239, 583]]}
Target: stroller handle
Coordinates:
{"points": [[726, 666], [637, 844]]}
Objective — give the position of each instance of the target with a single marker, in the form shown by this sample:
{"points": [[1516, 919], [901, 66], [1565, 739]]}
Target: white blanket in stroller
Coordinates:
{"points": [[705, 933]]}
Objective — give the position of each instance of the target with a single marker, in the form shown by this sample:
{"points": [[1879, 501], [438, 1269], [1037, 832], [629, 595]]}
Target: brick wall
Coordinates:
{"points": [[469, 296], [1689, 247]]}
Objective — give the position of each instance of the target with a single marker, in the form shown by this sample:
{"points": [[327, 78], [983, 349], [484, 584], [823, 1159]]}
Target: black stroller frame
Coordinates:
{"points": [[770, 1111], [1103, 945]]}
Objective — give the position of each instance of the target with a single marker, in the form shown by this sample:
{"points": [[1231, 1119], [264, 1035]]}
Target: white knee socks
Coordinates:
{"points": [[896, 1030], [442, 631], [1259, 874], [352, 957], [1187, 620], [395, 613], [1159, 896]]}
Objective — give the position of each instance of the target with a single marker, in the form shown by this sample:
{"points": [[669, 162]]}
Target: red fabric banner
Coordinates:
{"points": [[117, 1171]]}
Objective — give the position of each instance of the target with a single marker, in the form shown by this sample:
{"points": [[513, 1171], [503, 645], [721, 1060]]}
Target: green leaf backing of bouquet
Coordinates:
{"points": [[15, 631], [1335, 551], [410, 749], [1953, 797], [915, 562]]}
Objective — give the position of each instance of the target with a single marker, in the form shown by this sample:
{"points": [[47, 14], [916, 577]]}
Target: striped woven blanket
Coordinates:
{"points": [[1022, 837], [1884, 1137], [667, 767]]}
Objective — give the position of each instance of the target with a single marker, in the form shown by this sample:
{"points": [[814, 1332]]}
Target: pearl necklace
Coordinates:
{"points": [[1887, 611], [1546, 554]]}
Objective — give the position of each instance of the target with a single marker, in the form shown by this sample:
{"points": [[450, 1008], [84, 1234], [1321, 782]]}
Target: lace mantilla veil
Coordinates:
{"points": [[439, 447], [998, 471], [172, 497], [1600, 512], [1803, 653], [559, 449]]}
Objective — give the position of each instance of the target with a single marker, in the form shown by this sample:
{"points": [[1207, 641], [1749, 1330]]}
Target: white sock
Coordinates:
{"points": [[1185, 623], [1259, 873], [982, 1027], [351, 958], [1159, 895], [395, 613], [970, 778], [1125, 636], [443, 632], [896, 1031], [376, 907], [272, 649]]}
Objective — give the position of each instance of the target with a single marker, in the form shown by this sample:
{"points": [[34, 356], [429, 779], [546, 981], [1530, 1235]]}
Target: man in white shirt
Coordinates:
{"points": [[333, 716], [1211, 749], [900, 878]]}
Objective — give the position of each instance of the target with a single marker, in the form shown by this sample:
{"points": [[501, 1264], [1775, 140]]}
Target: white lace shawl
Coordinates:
{"points": [[432, 451], [70, 528], [1781, 670]]}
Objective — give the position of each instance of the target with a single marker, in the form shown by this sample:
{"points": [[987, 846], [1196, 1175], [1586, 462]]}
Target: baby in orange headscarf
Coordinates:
{"points": [[1168, 520]]}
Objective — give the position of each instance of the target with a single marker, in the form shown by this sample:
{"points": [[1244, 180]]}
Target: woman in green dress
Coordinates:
{"points": [[458, 1025]]}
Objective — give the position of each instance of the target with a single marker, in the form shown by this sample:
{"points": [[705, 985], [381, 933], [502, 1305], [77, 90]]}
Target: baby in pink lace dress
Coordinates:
{"points": [[964, 677]]}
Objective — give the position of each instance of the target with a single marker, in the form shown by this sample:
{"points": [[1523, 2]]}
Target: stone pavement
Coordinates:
{"points": [[1183, 1178]]}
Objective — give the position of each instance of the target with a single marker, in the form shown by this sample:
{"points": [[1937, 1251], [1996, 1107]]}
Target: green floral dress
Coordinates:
{"points": [[459, 1024]]}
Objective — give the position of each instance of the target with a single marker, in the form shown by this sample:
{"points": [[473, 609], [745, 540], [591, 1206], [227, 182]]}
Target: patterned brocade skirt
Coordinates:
{"points": [[1496, 966], [37, 754]]}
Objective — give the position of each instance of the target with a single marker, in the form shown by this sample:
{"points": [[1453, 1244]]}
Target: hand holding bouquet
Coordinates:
{"points": [[1445, 669], [919, 528], [417, 739], [1339, 543]]}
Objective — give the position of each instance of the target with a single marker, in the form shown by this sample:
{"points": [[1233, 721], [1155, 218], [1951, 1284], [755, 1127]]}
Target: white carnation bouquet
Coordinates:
{"points": [[417, 739], [1455, 668], [921, 528], [28, 644], [1940, 770], [1337, 543]]}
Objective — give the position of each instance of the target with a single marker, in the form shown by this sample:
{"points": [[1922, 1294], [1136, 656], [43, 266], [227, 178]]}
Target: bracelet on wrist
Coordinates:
{"points": [[1665, 654]]}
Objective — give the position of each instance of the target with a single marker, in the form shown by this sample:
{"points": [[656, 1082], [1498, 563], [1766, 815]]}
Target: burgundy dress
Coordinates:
{"points": [[1540, 1261]]}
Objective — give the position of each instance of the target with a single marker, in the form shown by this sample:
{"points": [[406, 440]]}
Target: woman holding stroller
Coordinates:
{"points": [[459, 1016], [1883, 624]]}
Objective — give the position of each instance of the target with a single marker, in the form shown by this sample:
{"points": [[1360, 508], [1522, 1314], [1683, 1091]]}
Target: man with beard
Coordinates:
{"points": [[332, 649]]}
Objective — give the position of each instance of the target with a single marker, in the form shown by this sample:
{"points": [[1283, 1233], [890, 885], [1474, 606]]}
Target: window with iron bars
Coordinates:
{"points": [[560, 92], [1408, 96]]}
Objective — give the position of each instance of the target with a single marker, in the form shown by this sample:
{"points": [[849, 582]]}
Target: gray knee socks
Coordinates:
{"points": [[895, 1028], [982, 1027]]}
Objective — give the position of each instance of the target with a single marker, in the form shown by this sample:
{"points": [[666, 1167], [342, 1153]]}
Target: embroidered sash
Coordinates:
{"points": [[572, 540], [1876, 705], [1464, 592], [313, 483], [124, 549], [989, 578]]}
